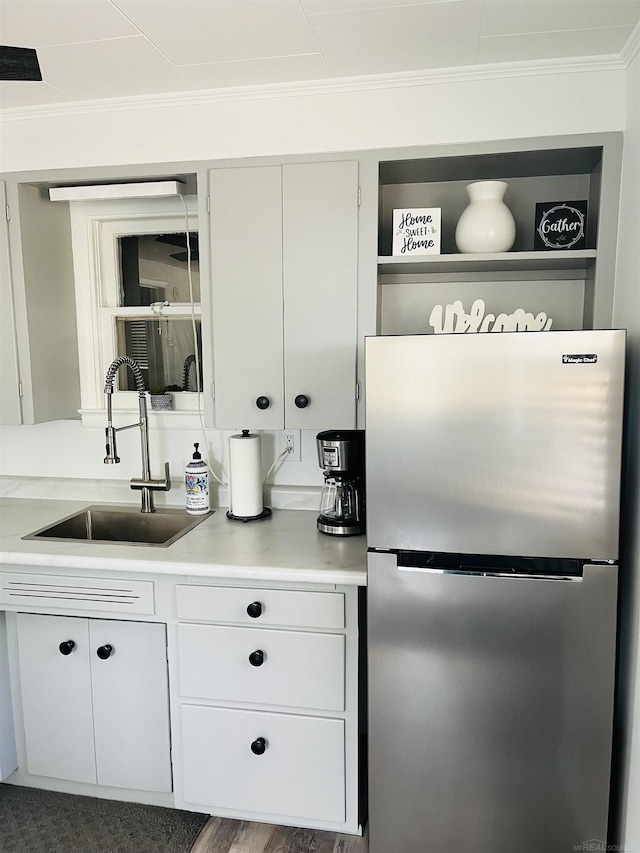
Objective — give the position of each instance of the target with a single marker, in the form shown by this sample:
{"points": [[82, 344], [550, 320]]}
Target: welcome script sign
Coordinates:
{"points": [[445, 319]]}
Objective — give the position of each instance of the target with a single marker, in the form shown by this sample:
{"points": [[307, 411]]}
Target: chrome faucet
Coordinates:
{"points": [[145, 484]]}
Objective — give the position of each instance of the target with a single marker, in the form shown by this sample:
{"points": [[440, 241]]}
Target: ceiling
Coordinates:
{"points": [[95, 49]]}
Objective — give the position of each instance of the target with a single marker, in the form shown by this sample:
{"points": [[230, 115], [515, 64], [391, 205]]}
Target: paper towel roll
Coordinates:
{"points": [[245, 475]]}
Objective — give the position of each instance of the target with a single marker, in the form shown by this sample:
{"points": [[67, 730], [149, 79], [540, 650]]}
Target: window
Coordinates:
{"points": [[153, 273], [137, 294]]}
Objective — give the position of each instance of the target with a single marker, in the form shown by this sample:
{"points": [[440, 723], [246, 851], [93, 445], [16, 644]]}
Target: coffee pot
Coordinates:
{"points": [[341, 456]]}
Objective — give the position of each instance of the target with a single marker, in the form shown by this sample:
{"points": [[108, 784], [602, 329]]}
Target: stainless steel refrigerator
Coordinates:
{"points": [[493, 479]]}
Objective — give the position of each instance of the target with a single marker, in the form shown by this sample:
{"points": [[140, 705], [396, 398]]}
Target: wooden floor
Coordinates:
{"points": [[220, 835]]}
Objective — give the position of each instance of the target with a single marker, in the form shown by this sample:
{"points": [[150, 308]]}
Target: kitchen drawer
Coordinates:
{"points": [[300, 774], [278, 607], [72, 593], [300, 670]]}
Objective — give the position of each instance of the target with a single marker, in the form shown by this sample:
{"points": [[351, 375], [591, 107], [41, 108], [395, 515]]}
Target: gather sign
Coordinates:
{"points": [[560, 225]]}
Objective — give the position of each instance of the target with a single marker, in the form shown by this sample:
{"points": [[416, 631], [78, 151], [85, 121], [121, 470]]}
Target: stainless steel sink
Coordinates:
{"points": [[120, 525]]}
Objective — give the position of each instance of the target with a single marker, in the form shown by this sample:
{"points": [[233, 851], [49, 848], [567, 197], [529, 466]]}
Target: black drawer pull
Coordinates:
{"points": [[66, 647], [254, 609], [258, 746], [302, 401], [263, 403], [256, 658], [105, 651]]}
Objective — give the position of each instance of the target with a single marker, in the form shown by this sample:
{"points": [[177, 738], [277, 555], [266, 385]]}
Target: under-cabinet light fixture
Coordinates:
{"points": [[150, 189]]}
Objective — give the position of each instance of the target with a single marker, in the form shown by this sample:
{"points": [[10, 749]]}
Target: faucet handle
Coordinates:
{"points": [[163, 485]]}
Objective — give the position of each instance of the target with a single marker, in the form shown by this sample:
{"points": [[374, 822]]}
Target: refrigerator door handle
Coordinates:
{"points": [[481, 574]]}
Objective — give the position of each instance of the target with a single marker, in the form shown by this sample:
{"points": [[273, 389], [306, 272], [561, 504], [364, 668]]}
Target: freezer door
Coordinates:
{"points": [[495, 443], [490, 710]]}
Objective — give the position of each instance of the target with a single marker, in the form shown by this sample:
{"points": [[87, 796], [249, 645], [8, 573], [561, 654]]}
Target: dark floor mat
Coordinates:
{"points": [[35, 821]]}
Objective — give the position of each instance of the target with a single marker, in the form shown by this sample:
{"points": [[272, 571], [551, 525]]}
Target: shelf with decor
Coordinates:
{"points": [[573, 286]]}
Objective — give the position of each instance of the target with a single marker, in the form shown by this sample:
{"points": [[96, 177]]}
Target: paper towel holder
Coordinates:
{"points": [[266, 512]]}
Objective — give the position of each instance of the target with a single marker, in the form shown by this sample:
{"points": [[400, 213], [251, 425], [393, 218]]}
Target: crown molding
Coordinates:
{"points": [[344, 85], [632, 47]]}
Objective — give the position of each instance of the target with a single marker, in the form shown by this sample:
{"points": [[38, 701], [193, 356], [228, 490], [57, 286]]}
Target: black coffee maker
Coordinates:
{"points": [[341, 456]]}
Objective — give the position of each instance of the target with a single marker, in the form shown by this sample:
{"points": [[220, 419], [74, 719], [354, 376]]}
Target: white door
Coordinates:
{"points": [[246, 270], [56, 696], [130, 704], [10, 407], [320, 267]]}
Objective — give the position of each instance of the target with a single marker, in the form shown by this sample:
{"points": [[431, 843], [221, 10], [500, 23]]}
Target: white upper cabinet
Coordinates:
{"points": [[40, 380], [10, 408], [284, 242]]}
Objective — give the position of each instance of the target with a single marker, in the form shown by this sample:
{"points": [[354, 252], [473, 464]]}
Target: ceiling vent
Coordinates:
{"points": [[19, 63]]}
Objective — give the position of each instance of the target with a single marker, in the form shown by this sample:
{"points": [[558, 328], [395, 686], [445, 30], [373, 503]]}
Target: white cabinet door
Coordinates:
{"points": [[284, 282], [8, 754], [320, 244], [44, 303], [56, 696], [97, 719], [10, 407], [246, 270], [130, 704], [275, 764]]}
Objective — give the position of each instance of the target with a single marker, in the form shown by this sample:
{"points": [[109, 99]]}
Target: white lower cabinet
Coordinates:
{"points": [[95, 700], [8, 753], [268, 705], [263, 762]]}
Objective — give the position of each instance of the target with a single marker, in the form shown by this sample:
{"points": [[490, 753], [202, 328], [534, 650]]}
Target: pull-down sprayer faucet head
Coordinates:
{"points": [[110, 433]]}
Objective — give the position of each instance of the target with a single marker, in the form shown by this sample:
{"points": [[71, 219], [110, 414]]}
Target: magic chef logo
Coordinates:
{"points": [[587, 358], [562, 226]]}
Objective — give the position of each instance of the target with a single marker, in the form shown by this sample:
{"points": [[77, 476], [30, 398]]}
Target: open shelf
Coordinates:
{"points": [[568, 259]]}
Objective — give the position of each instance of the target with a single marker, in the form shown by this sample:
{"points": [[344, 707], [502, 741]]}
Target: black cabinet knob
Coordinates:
{"points": [[263, 402], [66, 647], [254, 609], [256, 658], [302, 401], [104, 652], [258, 746]]}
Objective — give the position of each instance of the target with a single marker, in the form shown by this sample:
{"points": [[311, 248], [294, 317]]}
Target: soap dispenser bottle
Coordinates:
{"points": [[196, 482]]}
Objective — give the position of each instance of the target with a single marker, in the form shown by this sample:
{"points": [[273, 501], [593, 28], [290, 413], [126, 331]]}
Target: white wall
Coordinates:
{"points": [[64, 460], [627, 315], [424, 111]]}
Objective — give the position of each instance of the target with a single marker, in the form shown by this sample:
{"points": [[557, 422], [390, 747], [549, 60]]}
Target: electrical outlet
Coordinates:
{"points": [[291, 442]]}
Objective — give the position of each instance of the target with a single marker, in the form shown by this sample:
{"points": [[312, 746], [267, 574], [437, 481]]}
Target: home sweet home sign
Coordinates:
{"points": [[416, 231]]}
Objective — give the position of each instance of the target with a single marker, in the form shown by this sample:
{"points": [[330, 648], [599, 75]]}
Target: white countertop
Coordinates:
{"points": [[286, 547]]}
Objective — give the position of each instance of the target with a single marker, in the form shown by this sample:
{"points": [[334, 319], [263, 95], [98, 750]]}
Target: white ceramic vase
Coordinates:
{"points": [[486, 224]]}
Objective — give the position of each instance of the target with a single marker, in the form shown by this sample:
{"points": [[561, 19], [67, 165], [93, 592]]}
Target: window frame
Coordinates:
{"points": [[96, 227]]}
